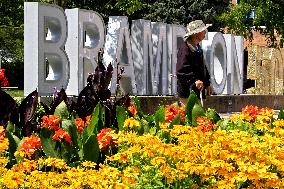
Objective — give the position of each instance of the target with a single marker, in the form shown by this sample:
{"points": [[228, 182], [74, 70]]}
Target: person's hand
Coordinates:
{"points": [[199, 84], [209, 90]]}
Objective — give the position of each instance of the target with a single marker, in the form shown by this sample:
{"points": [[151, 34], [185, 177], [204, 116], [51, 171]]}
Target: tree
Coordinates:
{"points": [[12, 40], [183, 11], [167, 11], [250, 15]]}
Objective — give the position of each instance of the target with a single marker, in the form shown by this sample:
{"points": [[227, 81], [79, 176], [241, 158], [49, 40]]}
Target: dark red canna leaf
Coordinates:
{"points": [[58, 98], [8, 109], [27, 109], [86, 102]]}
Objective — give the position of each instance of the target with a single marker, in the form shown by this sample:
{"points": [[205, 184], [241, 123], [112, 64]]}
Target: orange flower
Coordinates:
{"points": [[250, 113], [132, 110], [30, 145], [51, 122], [172, 110], [80, 124], [106, 139], [60, 134], [2, 133], [88, 118], [204, 124]]}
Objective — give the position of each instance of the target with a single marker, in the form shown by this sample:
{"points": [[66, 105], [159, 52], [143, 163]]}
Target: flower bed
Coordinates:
{"points": [[99, 143], [149, 151]]}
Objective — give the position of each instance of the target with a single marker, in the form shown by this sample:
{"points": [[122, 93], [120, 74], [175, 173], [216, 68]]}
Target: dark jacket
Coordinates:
{"points": [[190, 68]]}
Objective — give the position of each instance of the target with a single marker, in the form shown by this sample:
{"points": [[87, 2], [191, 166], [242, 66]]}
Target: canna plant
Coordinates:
{"points": [[67, 129]]}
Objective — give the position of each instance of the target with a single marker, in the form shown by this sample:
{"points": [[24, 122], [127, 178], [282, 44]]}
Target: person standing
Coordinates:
{"points": [[192, 73]]}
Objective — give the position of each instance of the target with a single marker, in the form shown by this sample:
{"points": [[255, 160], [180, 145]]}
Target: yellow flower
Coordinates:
{"points": [[158, 161], [88, 164], [4, 145], [278, 123], [131, 123], [53, 162]]}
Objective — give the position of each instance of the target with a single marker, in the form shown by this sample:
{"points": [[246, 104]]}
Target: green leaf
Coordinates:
{"points": [[145, 126], [165, 136], [121, 116], [175, 121], [13, 129], [151, 120], [223, 124], [160, 116], [71, 152], [67, 152], [153, 131], [192, 100], [213, 115], [10, 127], [91, 149], [14, 142], [48, 145], [281, 114], [61, 110], [97, 120], [138, 106], [74, 133], [197, 111], [66, 124]]}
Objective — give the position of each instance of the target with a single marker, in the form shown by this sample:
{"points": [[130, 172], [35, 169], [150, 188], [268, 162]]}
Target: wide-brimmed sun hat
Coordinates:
{"points": [[194, 27]]}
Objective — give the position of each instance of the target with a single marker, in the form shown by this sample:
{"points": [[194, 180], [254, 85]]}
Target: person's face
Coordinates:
{"points": [[201, 35], [198, 37]]}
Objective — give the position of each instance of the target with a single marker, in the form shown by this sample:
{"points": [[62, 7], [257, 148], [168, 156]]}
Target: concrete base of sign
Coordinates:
{"points": [[221, 103]]}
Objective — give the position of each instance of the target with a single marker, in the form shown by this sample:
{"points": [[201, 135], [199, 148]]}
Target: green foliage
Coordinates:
{"points": [[121, 116], [97, 120], [84, 146], [192, 100], [281, 114], [62, 111], [213, 115], [175, 121], [197, 111], [91, 149], [160, 116], [12, 40], [182, 12], [137, 105], [14, 143], [268, 13], [49, 146]]}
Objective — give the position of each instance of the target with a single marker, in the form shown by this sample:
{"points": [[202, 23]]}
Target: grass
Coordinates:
{"points": [[14, 92]]}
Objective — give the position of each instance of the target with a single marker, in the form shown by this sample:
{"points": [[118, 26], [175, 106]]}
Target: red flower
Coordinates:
{"points": [[172, 110], [204, 124], [250, 113], [88, 118], [60, 134], [106, 139], [51, 122], [132, 110], [30, 145], [80, 124], [2, 133]]}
